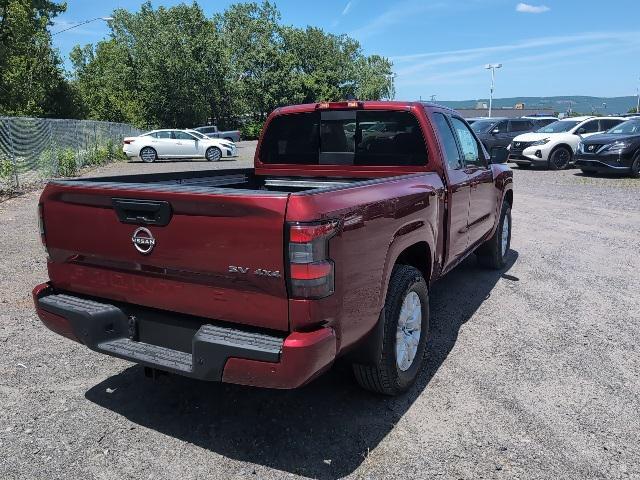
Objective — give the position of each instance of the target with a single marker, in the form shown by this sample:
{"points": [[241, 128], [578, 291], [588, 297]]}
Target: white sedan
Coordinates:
{"points": [[167, 143]]}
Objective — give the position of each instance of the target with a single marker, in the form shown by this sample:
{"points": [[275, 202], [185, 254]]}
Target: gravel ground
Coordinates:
{"points": [[533, 372]]}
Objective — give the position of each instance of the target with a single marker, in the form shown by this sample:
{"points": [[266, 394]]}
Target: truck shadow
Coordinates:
{"points": [[324, 430]]}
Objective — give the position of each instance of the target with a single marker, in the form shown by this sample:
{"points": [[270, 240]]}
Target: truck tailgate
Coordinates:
{"points": [[220, 255]]}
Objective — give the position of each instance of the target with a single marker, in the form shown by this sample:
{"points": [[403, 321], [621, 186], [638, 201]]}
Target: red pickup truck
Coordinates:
{"points": [[266, 276]]}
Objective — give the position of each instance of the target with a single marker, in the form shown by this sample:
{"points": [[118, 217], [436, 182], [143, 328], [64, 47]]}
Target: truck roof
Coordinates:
{"points": [[357, 104]]}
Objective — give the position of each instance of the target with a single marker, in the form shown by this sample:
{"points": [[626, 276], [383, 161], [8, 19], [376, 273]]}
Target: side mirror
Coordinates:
{"points": [[499, 155], [581, 130]]}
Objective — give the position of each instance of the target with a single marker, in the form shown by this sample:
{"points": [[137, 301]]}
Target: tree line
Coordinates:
{"points": [[176, 67]]}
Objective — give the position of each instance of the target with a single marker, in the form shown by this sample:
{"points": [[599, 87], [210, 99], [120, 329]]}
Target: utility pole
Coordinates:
{"points": [[492, 67]]}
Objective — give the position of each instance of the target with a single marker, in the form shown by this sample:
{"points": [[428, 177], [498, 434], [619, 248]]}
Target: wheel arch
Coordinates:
{"points": [[562, 144], [417, 254]]}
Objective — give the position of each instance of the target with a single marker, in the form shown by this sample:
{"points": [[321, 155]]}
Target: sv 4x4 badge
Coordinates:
{"points": [[258, 271]]}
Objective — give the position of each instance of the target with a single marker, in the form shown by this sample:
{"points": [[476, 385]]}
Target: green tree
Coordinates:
{"points": [[31, 78], [173, 67]]}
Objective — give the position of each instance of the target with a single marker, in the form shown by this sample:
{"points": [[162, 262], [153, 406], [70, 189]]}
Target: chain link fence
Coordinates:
{"points": [[35, 149]]}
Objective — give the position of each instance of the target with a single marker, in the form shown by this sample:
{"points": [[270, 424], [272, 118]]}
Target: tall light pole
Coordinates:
{"points": [[105, 19], [492, 67]]}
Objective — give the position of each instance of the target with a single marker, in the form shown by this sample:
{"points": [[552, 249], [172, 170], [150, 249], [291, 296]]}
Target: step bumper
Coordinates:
{"points": [[219, 353]]}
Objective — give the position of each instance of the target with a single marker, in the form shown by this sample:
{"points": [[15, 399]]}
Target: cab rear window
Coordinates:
{"points": [[345, 137]]}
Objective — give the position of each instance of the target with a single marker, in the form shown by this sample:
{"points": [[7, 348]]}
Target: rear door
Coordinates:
{"points": [[163, 143], [482, 198], [212, 254], [458, 190]]}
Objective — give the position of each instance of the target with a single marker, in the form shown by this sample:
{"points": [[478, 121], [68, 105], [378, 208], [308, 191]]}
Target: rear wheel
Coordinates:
{"points": [[148, 155], [559, 158], [494, 252], [635, 166], [213, 154], [404, 338]]}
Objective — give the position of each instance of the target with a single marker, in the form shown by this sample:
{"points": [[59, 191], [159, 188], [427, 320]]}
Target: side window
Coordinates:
{"points": [[590, 127], [163, 134], [183, 135], [607, 123], [500, 126], [468, 144], [520, 125], [448, 141]]}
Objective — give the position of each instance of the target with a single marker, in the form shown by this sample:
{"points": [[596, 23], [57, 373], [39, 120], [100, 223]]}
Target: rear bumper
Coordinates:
{"points": [[218, 353]]}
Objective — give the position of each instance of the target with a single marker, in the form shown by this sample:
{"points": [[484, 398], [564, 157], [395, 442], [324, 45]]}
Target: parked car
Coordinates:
{"points": [[541, 120], [554, 145], [615, 151], [498, 132], [265, 276], [212, 131], [167, 143], [471, 120]]}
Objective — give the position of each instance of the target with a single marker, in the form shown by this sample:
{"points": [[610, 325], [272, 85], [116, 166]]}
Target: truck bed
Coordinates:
{"points": [[240, 181]]}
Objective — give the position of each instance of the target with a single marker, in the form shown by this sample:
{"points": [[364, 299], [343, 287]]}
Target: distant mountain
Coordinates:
{"points": [[580, 104]]}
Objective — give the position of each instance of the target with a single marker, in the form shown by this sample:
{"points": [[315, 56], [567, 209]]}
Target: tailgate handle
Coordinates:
{"points": [[142, 212]]}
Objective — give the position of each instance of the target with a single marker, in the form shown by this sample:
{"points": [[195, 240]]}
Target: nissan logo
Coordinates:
{"points": [[143, 240]]}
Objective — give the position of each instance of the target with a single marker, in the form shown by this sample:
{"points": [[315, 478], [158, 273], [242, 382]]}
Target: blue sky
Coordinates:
{"points": [[547, 47]]}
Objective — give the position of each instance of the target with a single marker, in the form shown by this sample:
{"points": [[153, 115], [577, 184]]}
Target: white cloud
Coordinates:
{"points": [[537, 43], [526, 8], [394, 16], [347, 8], [459, 66]]}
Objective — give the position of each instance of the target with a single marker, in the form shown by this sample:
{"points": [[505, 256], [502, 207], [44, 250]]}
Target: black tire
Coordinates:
{"points": [[491, 253], [560, 158], [148, 155], [385, 376], [635, 167], [213, 154]]}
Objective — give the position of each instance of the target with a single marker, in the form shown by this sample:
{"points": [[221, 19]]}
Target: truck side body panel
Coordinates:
{"points": [[401, 212]]}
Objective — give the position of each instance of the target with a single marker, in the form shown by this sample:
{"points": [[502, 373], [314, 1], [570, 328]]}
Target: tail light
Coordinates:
{"points": [[311, 271], [128, 141]]}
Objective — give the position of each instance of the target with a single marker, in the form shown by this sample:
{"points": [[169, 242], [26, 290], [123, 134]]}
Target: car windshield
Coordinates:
{"points": [[559, 126], [626, 128], [482, 126]]}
